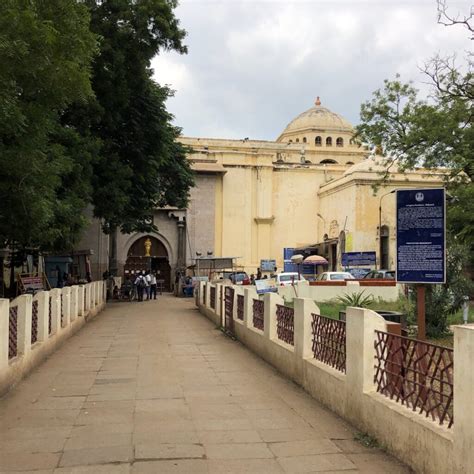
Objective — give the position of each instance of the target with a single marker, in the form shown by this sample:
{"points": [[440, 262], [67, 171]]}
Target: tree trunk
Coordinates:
{"points": [[113, 263]]}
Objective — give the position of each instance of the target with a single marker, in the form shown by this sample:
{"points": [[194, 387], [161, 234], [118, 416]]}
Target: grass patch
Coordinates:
{"points": [[366, 440]]}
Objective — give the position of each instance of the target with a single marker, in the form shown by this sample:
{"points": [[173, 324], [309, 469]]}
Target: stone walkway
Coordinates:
{"points": [[153, 387]]}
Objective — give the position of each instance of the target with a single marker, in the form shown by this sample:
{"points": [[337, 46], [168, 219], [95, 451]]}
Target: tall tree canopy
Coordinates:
{"points": [[140, 165], [46, 48]]}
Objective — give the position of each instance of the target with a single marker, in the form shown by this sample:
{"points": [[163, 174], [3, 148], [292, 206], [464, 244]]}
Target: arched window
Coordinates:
{"points": [[318, 141], [350, 163], [340, 141], [328, 162], [304, 139], [328, 141], [297, 140], [384, 250]]}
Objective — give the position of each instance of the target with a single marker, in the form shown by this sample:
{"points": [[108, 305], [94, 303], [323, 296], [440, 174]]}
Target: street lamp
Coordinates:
{"points": [[380, 226]]}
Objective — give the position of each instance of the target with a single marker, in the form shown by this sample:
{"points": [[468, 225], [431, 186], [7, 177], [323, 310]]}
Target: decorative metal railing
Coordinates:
{"points": [[258, 308], [213, 297], [50, 316], [229, 308], [285, 324], [34, 322], [62, 311], [416, 374], [329, 341], [13, 332], [240, 307]]}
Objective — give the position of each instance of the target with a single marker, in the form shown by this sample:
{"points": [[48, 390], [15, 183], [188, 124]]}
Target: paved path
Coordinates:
{"points": [[153, 387]]}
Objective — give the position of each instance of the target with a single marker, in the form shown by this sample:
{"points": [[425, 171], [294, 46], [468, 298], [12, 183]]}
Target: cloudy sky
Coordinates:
{"points": [[254, 65]]}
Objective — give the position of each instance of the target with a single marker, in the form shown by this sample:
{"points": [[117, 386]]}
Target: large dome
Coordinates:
{"points": [[318, 118]]}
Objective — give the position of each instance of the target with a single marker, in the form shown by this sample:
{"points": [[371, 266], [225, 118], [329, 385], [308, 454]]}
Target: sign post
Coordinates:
{"points": [[421, 242]]}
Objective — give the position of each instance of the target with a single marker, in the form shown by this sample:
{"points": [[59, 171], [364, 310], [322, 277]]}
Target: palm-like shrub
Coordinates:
{"points": [[359, 300]]}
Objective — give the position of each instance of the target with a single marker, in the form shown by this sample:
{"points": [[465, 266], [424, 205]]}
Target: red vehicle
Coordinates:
{"points": [[239, 278]]}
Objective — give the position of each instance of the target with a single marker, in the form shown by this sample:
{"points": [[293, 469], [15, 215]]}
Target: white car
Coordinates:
{"points": [[288, 278], [334, 276]]}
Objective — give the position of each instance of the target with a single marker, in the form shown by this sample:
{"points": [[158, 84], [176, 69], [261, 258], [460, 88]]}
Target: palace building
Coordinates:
{"points": [[313, 188]]}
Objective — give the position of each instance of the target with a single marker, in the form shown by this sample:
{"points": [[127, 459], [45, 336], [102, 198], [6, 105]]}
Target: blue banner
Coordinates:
{"points": [[358, 259], [421, 236], [288, 265]]}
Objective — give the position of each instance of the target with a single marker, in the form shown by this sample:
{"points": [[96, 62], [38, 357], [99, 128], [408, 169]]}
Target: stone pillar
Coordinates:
{"points": [[361, 325], [23, 303], [74, 303], [270, 301], [42, 297], [4, 325], [208, 295], [181, 253], [218, 308], [463, 428], [304, 308], [181, 263], [80, 300], [66, 307], [55, 295]]}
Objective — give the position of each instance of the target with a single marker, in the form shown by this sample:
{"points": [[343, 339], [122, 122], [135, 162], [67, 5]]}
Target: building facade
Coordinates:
{"points": [[313, 188]]}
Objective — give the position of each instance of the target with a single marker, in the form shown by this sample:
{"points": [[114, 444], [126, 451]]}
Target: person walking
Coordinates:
{"points": [[153, 286], [140, 285], [147, 278]]}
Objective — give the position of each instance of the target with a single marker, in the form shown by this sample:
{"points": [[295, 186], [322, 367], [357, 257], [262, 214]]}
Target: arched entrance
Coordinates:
{"points": [[149, 254]]}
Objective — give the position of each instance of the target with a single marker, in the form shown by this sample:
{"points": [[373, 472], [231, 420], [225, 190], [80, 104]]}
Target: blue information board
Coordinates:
{"points": [[288, 265], [358, 259], [267, 265], [421, 236]]}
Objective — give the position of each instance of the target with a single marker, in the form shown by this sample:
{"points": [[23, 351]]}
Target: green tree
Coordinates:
{"points": [[140, 165], [433, 132], [46, 48]]}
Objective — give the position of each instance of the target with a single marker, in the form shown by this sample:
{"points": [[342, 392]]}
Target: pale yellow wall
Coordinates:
{"points": [[267, 197]]}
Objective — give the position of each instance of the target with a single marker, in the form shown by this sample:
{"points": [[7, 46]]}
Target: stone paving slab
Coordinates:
{"points": [[153, 387]]}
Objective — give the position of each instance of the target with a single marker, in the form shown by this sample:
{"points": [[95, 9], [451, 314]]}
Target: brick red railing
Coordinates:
{"points": [[329, 341], [416, 374], [229, 308], [34, 322], [213, 297], [240, 307], [285, 324], [50, 316], [13, 332], [258, 308]]}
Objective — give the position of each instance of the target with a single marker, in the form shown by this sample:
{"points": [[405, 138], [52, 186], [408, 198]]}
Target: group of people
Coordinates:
{"points": [[144, 285]]}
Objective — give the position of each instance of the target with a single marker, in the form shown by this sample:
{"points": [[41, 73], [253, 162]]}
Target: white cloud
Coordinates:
{"points": [[254, 65]]}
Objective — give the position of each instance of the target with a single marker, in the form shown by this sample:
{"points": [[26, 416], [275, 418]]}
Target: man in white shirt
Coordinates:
{"points": [[153, 286], [148, 285]]}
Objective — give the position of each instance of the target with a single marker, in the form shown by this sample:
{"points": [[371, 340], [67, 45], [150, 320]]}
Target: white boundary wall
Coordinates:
{"points": [[70, 308], [323, 293], [418, 441]]}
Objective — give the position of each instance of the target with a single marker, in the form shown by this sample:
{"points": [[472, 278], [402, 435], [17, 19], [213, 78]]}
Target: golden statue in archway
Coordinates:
{"points": [[147, 247]]}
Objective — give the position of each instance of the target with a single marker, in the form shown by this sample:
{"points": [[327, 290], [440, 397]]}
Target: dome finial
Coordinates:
{"points": [[318, 102]]}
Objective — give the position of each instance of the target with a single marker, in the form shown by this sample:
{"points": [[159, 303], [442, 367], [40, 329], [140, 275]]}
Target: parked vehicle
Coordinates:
{"points": [[288, 278], [334, 276], [381, 275], [358, 272], [239, 278]]}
